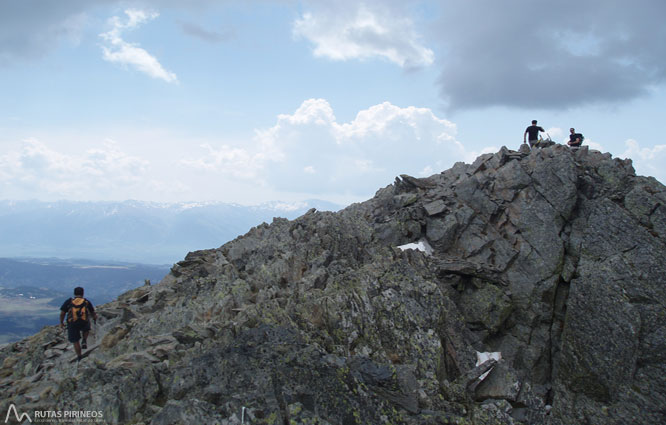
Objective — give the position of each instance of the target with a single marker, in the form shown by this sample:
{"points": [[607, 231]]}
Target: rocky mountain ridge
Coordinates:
{"points": [[536, 295]]}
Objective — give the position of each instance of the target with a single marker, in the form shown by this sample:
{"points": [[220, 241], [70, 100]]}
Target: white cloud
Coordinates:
{"points": [[46, 173], [119, 51], [355, 31], [235, 162], [592, 144], [307, 153], [310, 152], [647, 161], [556, 133]]}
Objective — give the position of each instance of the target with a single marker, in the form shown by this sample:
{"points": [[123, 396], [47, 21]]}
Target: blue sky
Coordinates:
{"points": [[255, 101]]}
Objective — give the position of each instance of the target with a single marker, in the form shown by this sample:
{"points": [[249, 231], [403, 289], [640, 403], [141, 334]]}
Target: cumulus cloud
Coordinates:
{"points": [[648, 161], [557, 134], [235, 162], [309, 151], [36, 168], [363, 31], [119, 51], [550, 55]]}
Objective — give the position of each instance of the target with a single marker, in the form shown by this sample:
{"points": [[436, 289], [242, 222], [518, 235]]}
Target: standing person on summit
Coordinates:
{"points": [[533, 132], [79, 311]]}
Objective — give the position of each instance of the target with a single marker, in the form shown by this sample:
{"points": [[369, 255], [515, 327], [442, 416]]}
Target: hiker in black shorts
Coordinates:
{"points": [[79, 311], [533, 132]]}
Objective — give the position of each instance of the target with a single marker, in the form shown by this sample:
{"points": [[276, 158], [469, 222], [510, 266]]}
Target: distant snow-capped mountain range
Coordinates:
{"points": [[136, 231]]}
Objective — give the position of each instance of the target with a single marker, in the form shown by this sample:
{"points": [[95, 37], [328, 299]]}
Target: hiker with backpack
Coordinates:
{"points": [[79, 311], [575, 139]]}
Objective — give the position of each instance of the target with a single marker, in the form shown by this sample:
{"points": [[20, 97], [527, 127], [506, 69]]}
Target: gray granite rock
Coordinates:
{"points": [[553, 258]]}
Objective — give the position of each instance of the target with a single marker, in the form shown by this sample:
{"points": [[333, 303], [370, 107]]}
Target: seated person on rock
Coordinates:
{"points": [[575, 139]]}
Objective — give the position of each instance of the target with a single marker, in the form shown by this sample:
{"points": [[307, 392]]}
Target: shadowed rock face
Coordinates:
{"points": [[556, 260]]}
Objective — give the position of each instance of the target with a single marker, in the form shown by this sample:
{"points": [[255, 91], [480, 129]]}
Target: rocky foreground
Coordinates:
{"points": [[534, 293]]}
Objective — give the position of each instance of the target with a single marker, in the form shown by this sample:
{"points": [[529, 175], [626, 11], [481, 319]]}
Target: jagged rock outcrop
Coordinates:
{"points": [[553, 260]]}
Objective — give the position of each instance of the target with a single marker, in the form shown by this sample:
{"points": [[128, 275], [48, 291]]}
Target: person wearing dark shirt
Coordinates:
{"points": [[575, 139], [532, 133], [78, 311]]}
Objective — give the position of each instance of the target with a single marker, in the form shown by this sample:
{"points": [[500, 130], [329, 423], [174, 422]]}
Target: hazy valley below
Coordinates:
{"points": [[130, 231], [32, 290], [107, 248]]}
